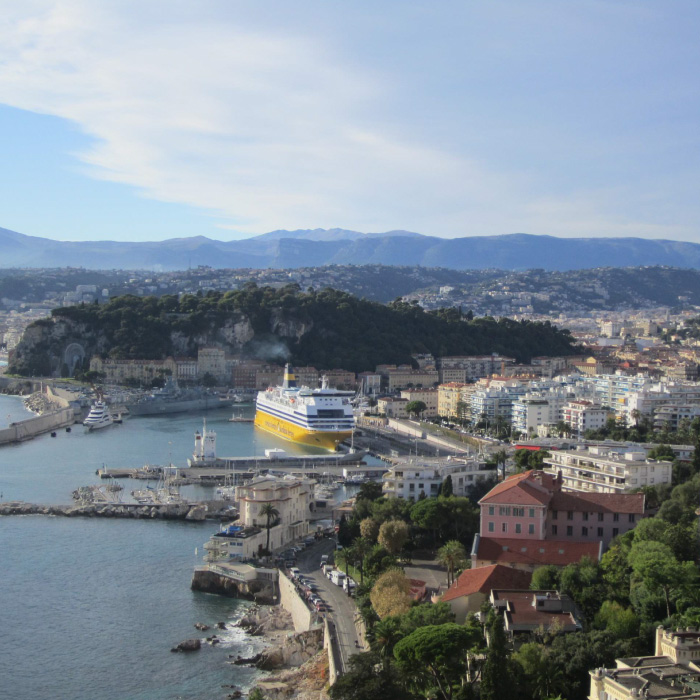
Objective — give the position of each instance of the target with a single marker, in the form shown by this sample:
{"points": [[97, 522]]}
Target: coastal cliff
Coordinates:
{"points": [[327, 329]]}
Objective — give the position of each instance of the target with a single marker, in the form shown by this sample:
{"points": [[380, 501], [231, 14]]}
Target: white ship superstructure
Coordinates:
{"points": [[99, 416], [318, 417]]}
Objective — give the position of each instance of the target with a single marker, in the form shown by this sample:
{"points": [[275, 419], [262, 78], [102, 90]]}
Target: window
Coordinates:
{"points": [[490, 526], [531, 513], [492, 510], [504, 510], [600, 517], [585, 517], [569, 530], [570, 515], [520, 512], [616, 532], [504, 527], [554, 514], [630, 517], [554, 529], [584, 532], [600, 532], [616, 517], [517, 529], [531, 529]]}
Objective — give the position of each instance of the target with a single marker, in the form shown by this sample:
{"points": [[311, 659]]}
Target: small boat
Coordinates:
{"points": [[99, 417]]}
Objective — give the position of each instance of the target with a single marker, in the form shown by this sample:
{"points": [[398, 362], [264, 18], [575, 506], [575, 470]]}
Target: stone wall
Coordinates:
{"points": [[291, 601], [209, 581], [330, 644]]}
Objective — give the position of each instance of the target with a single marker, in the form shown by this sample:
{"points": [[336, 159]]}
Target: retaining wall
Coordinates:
{"points": [[295, 605], [330, 644]]}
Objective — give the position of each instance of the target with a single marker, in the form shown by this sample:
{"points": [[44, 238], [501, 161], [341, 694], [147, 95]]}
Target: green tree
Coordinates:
{"points": [[621, 622], [544, 679], [434, 659], [452, 556], [368, 679], [393, 534], [653, 563], [369, 529], [495, 681], [446, 488], [545, 578], [415, 408]]}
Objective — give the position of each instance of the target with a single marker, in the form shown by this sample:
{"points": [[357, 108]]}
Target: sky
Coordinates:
{"points": [[131, 120]]}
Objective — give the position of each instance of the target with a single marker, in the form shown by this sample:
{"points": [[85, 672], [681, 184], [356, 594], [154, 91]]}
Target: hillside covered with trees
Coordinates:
{"points": [[327, 329]]}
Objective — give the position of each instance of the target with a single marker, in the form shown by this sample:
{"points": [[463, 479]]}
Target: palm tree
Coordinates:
{"points": [[271, 514], [343, 557], [501, 456], [360, 549], [452, 556]]}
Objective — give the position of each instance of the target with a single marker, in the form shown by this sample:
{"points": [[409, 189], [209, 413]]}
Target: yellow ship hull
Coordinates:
{"points": [[295, 433]]}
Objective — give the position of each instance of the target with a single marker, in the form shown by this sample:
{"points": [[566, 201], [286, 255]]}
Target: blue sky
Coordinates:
{"points": [[127, 120]]}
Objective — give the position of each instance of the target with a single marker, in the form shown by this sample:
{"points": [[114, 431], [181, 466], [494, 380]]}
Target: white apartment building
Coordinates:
{"points": [[671, 415], [492, 402], [539, 408], [603, 469], [583, 415], [408, 480]]}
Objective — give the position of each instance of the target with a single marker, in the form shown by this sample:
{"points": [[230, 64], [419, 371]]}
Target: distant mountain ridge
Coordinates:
{"points": [[316, 247]]}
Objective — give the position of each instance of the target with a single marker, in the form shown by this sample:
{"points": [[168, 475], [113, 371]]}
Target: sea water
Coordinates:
{"points": [[89, 608]]}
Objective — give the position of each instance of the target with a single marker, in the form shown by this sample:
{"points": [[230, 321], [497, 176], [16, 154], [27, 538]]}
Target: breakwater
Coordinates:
{"points": [[168, 511], [27, 429]]}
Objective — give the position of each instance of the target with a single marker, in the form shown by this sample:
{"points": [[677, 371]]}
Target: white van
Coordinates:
{"points": [[349, 585], [337, 577]]}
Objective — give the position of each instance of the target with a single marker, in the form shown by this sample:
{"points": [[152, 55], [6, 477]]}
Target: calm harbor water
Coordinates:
{"points": [[90, 608]]}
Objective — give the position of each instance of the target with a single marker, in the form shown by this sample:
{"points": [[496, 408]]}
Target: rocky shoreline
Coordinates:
{"points": [[300, 662]]}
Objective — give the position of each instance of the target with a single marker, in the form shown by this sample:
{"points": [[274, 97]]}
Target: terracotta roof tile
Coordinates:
{"points": [[486, 578], [598, 502], [535, 552], [522, 489]]}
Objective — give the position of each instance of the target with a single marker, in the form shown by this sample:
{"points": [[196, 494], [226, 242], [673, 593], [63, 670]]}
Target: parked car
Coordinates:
{"points": [[295, 572]]}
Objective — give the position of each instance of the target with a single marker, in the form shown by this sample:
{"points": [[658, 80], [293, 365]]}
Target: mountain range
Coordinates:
{"points": [[316, 247]]}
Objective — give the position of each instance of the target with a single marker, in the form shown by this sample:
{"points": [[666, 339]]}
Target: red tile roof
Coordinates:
{"points": [[535, 552], [598, 502], [522, 489], [486, 578]]}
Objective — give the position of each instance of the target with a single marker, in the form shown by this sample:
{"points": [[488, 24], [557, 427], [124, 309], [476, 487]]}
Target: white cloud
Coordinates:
{"points": [[263, 128]]}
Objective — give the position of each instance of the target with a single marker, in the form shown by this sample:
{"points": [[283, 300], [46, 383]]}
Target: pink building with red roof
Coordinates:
{"points": [[531, 507]]}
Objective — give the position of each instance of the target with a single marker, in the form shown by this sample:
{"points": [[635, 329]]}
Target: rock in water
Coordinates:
{"points": [[188, 645], [201, 626]]}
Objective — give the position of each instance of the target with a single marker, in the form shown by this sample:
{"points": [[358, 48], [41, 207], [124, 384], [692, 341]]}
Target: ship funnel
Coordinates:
{"points": [[290, 381]]}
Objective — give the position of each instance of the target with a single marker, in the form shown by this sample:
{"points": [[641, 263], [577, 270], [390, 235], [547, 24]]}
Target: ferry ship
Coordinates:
{"points": [[317, 417]]}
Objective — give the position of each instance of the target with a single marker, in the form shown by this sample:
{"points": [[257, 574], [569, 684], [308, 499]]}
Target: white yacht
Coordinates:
{"points": [[99, 416]]}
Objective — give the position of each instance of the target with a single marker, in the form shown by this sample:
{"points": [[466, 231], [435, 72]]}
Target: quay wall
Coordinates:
{"points": [[295, 605], [27, 429]]}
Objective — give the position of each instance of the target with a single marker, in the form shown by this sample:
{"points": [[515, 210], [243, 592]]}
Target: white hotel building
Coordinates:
{"points": [[603, 469]]}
